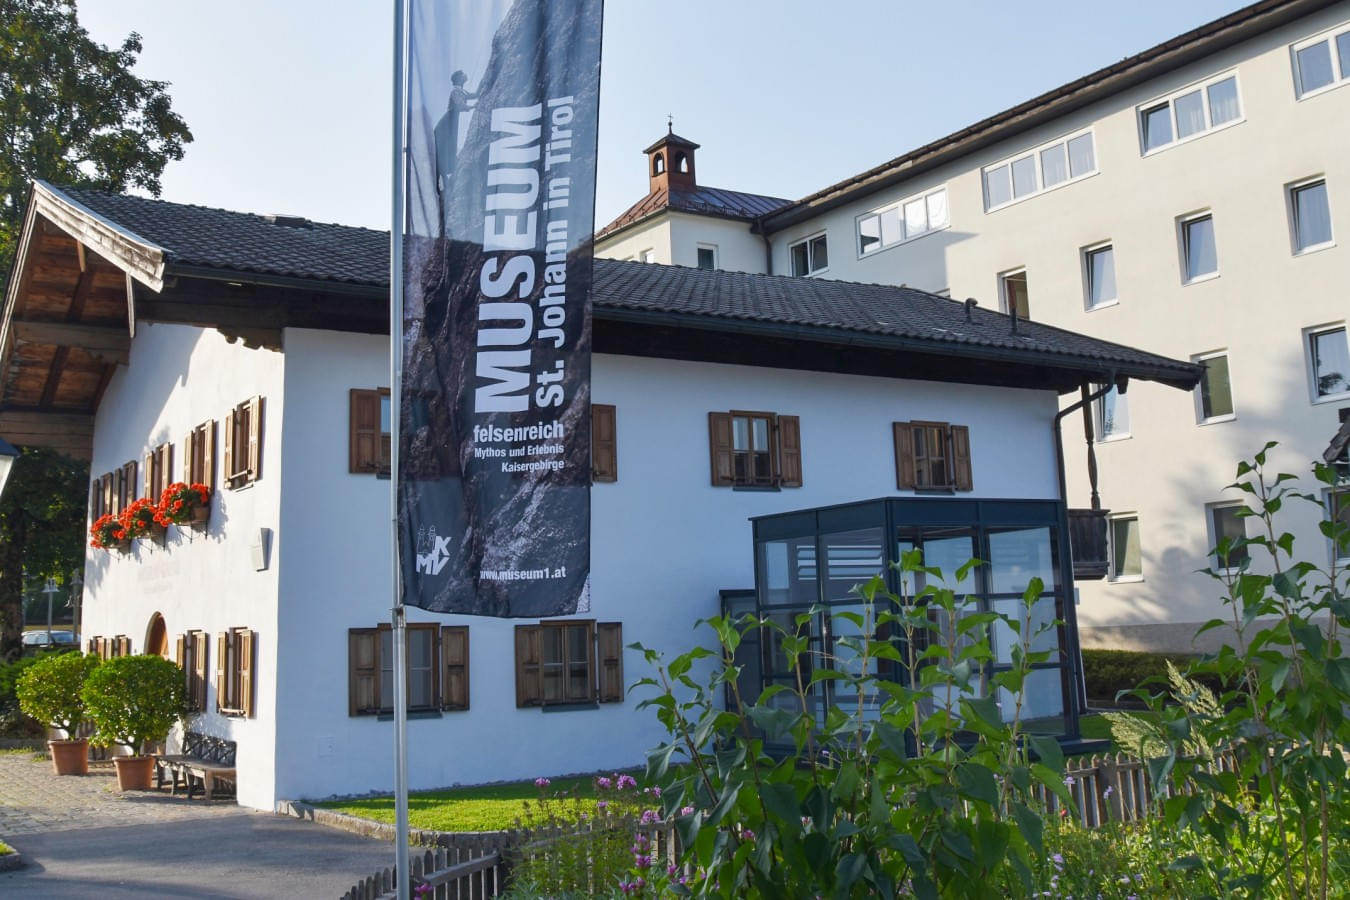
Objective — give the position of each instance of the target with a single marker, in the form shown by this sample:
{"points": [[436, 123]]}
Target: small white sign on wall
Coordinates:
{"points": [[261, 545]]}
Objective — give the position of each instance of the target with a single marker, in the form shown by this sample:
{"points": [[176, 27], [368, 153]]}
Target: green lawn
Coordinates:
{"points": [[488, 808]]}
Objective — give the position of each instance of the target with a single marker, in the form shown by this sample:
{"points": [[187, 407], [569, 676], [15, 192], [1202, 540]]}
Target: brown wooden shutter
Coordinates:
{"points": [[790, 450], [961, 458], [529, 690], [209, 454], [363, 671], [244, 650], [166, 466], [255, 436], [95, 500], [904, 455], [124, 646], [455, 667], [108, 493], [227, 471], [188, 454], [604, 443], [200, 668], [92, 646], [363, 437], [609, 643], [148, 478], [222, 673], [180, 652], [719, 448]]}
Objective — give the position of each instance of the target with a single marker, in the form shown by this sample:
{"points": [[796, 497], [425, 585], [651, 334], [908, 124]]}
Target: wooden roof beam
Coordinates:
{"points": [[68, 433], [111, 345]]}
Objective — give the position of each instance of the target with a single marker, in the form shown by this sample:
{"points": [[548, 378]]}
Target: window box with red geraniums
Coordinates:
{"points": [[107, 533], [138, 520], [183, 504]]}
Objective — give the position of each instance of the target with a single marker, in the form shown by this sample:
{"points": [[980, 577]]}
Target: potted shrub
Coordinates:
{"points": [[50, 691], [184, 504], [134, 701], [108, 533]]}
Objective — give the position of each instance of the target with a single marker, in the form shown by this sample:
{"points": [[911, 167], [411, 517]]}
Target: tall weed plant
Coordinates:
{"points": [[922, 786]]}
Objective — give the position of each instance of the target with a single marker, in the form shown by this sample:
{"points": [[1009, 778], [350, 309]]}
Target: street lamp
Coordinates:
{"points": [[51, 590], [7, 456]]}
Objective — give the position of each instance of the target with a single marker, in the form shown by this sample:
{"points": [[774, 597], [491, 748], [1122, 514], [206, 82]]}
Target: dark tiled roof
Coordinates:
{"points": [[244, 242], [702, 201], [900, 314], [813, 309]]}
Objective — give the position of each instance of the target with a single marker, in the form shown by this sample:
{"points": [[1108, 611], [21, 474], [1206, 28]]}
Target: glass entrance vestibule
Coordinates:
{"points": [[812, 559]]}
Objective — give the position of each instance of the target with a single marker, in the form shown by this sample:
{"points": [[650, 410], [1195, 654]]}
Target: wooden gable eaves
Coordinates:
{"points": [[65, 326]]}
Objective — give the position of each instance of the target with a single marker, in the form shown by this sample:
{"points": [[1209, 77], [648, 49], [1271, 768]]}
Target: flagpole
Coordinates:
{"points": [[395, 384]]}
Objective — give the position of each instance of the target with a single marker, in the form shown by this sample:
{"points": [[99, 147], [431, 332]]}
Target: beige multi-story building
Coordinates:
{"points": [[1187, 200]]}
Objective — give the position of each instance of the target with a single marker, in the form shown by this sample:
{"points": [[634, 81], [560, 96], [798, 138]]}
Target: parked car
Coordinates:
{"points": [[38, 640]]}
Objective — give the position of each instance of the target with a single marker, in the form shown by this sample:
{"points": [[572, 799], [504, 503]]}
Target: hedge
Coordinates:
{"points": [[1108, 672]]}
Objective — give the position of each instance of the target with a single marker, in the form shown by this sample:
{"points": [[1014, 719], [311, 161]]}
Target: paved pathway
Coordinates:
{"points": [[84, 838]]}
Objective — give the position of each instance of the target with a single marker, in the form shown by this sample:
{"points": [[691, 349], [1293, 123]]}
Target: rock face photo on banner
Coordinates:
{"points": [[494, 467]]}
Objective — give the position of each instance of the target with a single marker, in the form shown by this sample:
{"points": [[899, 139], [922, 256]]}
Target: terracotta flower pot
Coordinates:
{"points": [[199, 516], [134, 772], [70, 757]]}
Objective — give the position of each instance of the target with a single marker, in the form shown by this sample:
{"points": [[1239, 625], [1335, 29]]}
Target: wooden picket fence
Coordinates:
{"points": [[475, 869], [1105, 788]]}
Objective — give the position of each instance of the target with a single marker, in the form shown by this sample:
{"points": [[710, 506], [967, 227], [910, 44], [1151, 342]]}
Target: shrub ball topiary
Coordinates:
{"points": [[134, 700], [50, 690]]}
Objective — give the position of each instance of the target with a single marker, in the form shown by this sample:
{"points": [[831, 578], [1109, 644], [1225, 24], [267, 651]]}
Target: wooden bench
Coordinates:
{"points": [[206, 761]]}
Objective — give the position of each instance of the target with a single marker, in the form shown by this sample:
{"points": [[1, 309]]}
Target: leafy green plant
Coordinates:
{"points": [[1146, 737], [50, 689], [927, 786], [134, 700], [1287, 807]]}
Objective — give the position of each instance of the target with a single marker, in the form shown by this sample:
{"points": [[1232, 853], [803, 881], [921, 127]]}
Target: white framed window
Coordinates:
{"points": [[1199, 251], [1214, 393], [1113, 416], [1099, 276], [648, 256], [1337, 502], [1225, 521], [1189, 113], [810, 256], [1127, 562], [1328, 363], [1322, 62], [1059, 162], [1310, 215], [1012, 293], [707, 256], [902, 221]]}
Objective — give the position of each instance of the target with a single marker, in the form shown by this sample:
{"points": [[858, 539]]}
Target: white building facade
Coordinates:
{"points": [[1189, 200]]}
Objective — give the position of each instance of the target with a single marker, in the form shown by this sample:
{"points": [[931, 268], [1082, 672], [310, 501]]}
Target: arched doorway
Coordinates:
{"points": [[157, 637]]}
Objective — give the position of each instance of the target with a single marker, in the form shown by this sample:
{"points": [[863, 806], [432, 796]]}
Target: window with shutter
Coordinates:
{"points": [[932, 456], [126, 485], [123, 646], [455, 667], [569, 662], [243, 443], [234, 672], [109, 502], [158, 471], [199, 449], [95, 500], [370, 669], [369, 425], [604, 443], [755, 449]]}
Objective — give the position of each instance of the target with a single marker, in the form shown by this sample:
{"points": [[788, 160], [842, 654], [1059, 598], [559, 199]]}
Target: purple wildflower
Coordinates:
{"points": [[542, 782], [603, 782], [627, 781], [687, 811], [601, 804]]}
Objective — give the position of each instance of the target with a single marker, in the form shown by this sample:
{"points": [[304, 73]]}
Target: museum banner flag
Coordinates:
{"points": [[494, 431]]}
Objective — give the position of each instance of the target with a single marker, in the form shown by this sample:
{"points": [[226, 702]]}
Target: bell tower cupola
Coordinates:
{"points": [[670, 163]]}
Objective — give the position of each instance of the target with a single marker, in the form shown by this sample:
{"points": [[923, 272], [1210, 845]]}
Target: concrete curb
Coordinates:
{"points": [[483, 840]]}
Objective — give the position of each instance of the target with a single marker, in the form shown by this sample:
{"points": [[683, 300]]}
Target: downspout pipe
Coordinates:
{"points": [[758, 228], [1077, 698]]}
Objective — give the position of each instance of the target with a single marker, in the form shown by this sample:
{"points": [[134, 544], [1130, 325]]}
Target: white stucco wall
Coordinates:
{"points": [[652, 234], [664, 541], [737, 249], [1257, 309], [179, 377]]}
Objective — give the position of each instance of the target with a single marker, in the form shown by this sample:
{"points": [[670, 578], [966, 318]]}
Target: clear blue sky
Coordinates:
{"points": [[289, 101]]}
